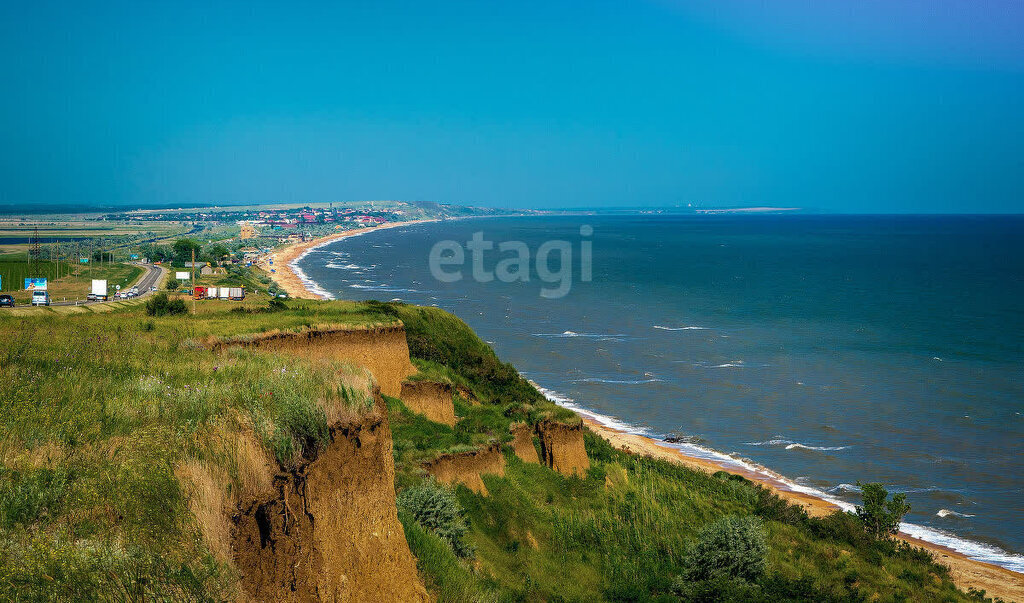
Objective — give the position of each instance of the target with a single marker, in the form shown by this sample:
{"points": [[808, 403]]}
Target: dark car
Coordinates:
{"points": [[6, 301]]}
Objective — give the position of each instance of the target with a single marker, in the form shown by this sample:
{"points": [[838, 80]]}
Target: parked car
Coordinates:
{"points": [[6, 301], [40, 298], [90, 297]]}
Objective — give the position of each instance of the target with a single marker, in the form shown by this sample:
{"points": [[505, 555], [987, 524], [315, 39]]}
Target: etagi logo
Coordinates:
{"points": [[447, 258]]}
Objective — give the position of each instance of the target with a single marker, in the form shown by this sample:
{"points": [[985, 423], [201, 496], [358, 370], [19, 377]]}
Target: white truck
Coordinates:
{"points": [[237, 293], [99, 290], [225, 292]]}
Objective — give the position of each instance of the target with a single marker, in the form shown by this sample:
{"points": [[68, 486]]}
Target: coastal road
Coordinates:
{"points": [[149, 279]]}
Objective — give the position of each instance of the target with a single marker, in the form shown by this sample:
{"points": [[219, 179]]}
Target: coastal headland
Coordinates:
{"points": [[967, 573]]}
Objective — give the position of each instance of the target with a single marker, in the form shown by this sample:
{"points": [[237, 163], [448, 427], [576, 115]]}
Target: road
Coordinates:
{"points": [[148, 280]]}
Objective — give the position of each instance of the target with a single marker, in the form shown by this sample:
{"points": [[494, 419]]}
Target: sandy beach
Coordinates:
{"points": [[280, 260], [967, 573]]}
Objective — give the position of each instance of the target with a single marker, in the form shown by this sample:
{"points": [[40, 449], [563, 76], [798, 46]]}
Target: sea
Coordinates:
{"points": [[824, 350]]}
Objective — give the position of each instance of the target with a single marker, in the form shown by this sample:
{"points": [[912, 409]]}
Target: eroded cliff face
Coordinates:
{"points": [[562, 447], [468, 467], [522, 444], [430, 399], [329, 530], [382, 350]]}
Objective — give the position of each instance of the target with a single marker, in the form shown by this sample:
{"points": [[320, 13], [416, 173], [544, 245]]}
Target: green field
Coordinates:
{"points": [[72, 282]]}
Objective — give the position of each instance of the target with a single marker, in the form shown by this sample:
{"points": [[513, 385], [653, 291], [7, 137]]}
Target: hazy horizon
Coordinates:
{"points": [[873, 107]]}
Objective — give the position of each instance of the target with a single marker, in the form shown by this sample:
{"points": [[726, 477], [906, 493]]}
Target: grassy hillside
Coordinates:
{"points": [[101, 412]]}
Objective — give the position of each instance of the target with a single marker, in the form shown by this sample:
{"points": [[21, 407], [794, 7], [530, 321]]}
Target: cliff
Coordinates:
{"points": [[382, 350]]}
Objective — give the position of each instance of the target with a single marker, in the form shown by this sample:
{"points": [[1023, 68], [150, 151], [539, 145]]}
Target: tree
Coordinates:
{"points": [[183, 249], [881, 517], [161, 305], [172, 284], [217, 252], [732, 547]]}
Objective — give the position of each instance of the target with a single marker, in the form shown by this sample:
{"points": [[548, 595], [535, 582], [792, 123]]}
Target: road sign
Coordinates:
{"points": [[118, 287]]}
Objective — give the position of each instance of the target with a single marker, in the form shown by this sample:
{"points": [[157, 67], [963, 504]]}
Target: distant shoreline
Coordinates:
{"points": [[280, 264]]}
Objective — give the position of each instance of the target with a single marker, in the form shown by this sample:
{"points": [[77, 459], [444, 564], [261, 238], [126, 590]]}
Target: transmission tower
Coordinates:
{"points": [[35, 254]]}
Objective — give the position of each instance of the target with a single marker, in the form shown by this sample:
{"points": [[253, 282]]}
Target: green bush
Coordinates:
{"points": [[881, 517], [161, 305], [436, 509], [732, 547], [172, 284]]}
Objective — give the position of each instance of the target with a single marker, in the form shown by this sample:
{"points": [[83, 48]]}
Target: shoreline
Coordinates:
{"points": [[996, 580], [290, 277]]}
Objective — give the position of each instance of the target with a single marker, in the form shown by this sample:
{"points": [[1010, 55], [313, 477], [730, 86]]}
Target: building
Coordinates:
{"points": [[248, 231]]}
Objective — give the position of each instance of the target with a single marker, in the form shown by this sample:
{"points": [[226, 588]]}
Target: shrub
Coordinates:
{"points": [[436, 509], [881, 517], [172, 284], [732, 547], [161, 305]]}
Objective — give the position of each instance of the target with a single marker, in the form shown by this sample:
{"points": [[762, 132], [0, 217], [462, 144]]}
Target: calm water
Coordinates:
{"points": [[830, 349]]}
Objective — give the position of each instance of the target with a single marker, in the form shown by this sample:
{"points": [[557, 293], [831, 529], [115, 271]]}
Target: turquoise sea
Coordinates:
{"points": [[828, 349]]}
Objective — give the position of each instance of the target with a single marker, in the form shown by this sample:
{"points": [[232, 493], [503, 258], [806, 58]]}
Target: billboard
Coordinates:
{"points": [[133, 256], [83, 260], [35, 284], [181, 276]]}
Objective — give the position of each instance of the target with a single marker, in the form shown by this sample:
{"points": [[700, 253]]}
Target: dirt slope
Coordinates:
{"points": [[562, 448], [522, 444], [467, 467], [430, 399], [382, 350], [330, 531]]}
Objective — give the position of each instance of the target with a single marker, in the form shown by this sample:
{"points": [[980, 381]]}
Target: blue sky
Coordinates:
{"points": [[867, 106]]}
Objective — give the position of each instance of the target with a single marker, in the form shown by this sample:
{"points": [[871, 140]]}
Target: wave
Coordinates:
{"points": [[734, 363], [791, 445], [620, 381], [680, 328], [822, 448], [844, 488], [598, 336], [948, 513], [384, 288], [344, 266]]}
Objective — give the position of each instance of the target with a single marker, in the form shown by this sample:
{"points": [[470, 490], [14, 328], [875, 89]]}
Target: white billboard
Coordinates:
{"points": [[181, 276]]}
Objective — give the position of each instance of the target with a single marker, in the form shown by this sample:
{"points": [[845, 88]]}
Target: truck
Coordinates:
{"points": [[211, 293], [198, 292], [237, 293], [99, 290], [225, 292]]}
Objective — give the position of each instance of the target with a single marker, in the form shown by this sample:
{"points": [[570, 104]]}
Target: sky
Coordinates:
{"points": [[838, 106]]}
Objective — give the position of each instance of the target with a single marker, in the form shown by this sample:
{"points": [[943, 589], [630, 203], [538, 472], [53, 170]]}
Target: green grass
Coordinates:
{"points": [[98, 411]]}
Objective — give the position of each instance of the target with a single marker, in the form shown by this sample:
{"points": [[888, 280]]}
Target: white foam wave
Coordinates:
{"points": [[974, 550], [382, 288], [843, 488], [564, 334], [344, 266], [680, 328], [949, 513], [791, 445], [619, 381], [734, 363], [805, 447]]}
